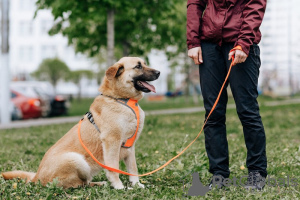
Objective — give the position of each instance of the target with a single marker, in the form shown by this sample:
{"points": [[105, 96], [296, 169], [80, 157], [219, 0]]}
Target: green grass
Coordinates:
{"points": [[78, 108], [163, 136], [81, 107]]}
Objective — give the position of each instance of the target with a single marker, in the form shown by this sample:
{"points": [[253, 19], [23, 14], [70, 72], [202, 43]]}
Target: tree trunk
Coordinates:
{"points": [[110, 37], [54, 83], [125, 49], [5, 116], [79, 91], [187, 78], [195, 95]]}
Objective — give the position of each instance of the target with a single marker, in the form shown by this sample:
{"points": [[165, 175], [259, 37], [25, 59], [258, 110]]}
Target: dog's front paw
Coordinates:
{"points": [[140, 185], [119, 186]]}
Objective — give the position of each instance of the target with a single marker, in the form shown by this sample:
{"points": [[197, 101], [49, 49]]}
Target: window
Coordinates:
{"points": [[26, 53], [46, 25], [26, 5], [69, 52], [25, 28], [48, 51]]}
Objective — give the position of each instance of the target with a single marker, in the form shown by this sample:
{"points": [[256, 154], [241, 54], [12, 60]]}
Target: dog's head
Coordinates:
{"points": [[128, 78]]}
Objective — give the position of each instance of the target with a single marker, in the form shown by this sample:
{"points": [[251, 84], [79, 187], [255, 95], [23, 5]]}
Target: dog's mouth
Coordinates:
{"points": [[144, 86], [141, 82]]}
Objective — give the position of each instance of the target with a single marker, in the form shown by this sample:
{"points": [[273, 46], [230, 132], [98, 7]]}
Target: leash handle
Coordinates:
{"points": [[169, 161]]}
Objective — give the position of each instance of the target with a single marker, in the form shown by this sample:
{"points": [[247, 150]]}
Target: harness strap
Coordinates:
{"points": [[133, 105], [91, 119]]}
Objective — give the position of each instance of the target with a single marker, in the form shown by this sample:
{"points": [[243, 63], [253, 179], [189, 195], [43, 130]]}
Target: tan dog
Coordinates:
{"points": [[69, 162]]}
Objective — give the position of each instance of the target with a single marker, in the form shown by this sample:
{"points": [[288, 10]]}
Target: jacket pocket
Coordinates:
{"points": [[255, 50], [207, 25]]}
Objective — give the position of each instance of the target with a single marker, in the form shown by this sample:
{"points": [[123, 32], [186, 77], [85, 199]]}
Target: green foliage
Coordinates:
{"points": [[163, 136], [176, 29], [139, 25], [77, 75], [52, 69]]}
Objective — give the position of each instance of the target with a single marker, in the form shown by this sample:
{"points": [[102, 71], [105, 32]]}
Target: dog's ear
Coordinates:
{"points": [[114, 71]]}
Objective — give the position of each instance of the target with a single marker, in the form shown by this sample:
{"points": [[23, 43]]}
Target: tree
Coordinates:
{"points": [[76, 77], [139, 25], [177, 51], [110, 37], [52, 69]]}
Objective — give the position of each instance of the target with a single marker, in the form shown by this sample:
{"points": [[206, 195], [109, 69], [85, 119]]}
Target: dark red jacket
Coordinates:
{"points": [[225, 21]]}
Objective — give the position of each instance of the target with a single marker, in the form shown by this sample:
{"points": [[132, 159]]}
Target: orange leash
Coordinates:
{"points": [[168, 162]]}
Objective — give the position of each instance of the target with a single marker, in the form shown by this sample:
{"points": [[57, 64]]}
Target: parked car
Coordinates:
{"points": [[36, 93], [16, 113], [54, 104], [59, 105], [28, 104]]}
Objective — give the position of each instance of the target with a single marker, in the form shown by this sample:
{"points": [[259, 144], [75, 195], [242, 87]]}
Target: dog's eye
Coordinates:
{"points": [[138, 66]]}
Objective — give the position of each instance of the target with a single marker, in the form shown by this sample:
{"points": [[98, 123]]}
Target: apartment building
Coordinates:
{"points": [[280, 54]]}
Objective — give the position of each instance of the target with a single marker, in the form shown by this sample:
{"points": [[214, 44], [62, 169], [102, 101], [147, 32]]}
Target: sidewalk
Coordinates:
{"points": [[61, 120]]}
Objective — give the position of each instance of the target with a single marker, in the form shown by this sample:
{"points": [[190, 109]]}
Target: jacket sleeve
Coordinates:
{"points": [[253, 14], [195, 10]]}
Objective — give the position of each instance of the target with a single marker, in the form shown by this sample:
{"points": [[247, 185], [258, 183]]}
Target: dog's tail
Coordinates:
{"points": [[28, 176]]}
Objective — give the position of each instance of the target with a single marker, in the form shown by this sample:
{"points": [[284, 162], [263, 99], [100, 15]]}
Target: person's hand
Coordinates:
{"points": [[196, 55], [239, 56]]}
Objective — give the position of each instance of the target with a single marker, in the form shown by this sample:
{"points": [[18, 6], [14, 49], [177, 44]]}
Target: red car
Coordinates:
{"points": [[30, 105]]}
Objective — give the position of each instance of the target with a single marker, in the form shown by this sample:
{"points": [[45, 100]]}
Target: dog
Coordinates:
{"points": [[69, 163]]}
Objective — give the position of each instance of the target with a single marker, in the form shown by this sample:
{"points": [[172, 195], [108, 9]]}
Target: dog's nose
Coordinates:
{"points": [[157, 73]]}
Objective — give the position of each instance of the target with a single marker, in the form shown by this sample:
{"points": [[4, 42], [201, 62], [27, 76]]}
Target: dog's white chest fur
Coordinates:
{"points": [[129, 124]]}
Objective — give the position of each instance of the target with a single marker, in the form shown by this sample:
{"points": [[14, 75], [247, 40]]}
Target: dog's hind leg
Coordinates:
{"points": [[74, 171], [72, 181], [101, 183]]}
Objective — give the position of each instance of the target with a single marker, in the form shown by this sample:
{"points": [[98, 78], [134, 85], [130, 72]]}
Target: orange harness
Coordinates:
{"points": [[179, 154], [133, 105]]}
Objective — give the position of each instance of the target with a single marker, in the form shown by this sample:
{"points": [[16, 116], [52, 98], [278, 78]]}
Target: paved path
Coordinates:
{"points": [[61, 120]]}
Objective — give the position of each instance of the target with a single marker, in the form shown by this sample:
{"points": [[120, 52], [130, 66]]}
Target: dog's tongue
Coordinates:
{"points": [[149, 86]]}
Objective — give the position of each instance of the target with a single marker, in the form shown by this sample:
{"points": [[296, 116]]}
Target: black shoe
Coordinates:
{"points": [[255, 181], [216, 181]]}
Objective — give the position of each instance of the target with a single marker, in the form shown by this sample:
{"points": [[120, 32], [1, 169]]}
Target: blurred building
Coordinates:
{"points": [[280, 54], [30, 44]]}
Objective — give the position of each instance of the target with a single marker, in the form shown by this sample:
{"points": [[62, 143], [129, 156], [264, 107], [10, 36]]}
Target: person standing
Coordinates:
{"points": [[216, 31]]}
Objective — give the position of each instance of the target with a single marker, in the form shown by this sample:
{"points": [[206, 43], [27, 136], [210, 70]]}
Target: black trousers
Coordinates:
{"points": [[243, 83]]}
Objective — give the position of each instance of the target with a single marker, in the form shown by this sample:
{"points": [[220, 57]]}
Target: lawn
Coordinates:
{"points": [[162, 138], [78, 108]]}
